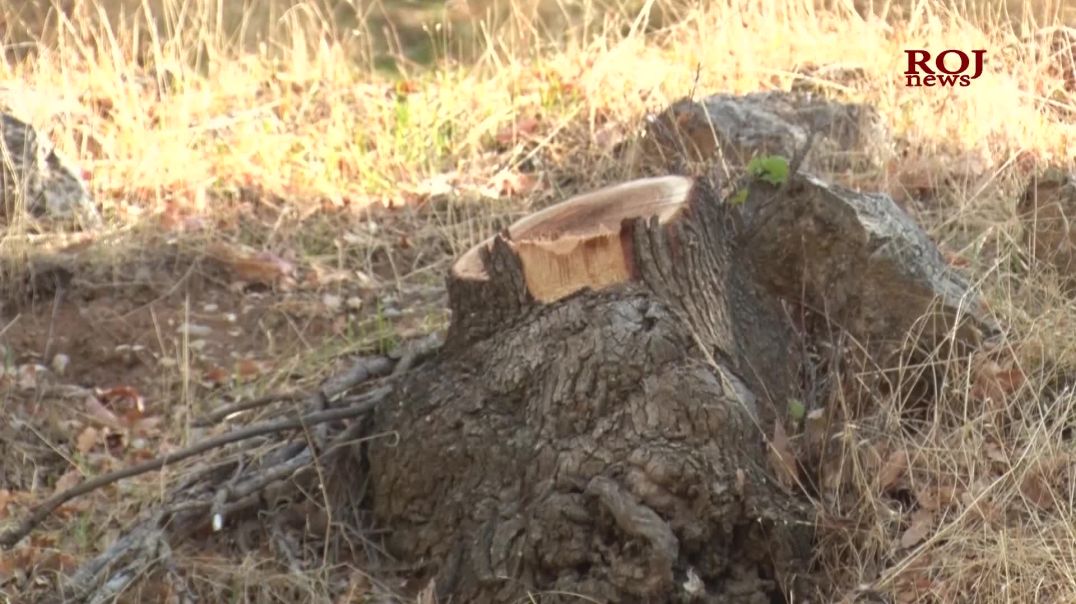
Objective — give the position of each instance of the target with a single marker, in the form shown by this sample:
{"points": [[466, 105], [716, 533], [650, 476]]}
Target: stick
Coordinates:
{"points": [[42, 511], [219, 414]]}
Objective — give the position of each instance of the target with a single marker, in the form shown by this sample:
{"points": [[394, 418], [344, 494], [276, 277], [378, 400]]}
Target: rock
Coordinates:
{"points": [[1047, 210], [35, 178], [862, 260], [732, 128]]}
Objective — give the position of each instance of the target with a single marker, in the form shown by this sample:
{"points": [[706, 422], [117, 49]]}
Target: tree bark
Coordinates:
{"points": [[594, 421]]}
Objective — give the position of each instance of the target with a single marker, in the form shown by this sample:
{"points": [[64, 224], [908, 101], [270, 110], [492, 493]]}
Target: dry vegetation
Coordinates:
{"points": [[296, 200]]}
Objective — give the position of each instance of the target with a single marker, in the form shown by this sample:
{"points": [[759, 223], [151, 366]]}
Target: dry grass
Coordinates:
{"points": [[196, 134]]}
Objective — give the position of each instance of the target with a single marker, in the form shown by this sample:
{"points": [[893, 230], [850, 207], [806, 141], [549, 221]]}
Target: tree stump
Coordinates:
{"points": [[594, 422]]}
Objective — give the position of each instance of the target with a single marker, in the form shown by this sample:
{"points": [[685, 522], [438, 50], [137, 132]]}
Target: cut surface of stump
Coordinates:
{"points": [[573, 245]]}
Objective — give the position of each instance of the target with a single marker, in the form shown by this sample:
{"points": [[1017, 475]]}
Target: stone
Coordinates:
{"points": [[36, 179], [731, 129]]}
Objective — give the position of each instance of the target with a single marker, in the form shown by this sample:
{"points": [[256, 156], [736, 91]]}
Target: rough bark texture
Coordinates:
{"points": [[611, 443]]}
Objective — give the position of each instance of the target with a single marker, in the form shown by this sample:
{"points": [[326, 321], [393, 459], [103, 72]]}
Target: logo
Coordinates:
{"points": [[922, 71]]}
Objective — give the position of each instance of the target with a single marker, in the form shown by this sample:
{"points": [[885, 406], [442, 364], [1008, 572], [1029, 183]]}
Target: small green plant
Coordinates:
{"points": [[772, 169], [796, 410], [769, 168]]}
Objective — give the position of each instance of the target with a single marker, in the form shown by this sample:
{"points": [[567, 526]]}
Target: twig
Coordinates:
{"points": [[218, 414], [42, 511], [363, 370]]}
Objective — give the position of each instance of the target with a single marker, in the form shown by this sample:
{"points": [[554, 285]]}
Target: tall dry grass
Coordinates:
{"points": [[177, 113]]}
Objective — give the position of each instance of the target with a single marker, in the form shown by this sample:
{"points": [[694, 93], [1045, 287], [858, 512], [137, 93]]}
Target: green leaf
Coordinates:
{"points": [[796, 409], [739, 197], [769, 168]]}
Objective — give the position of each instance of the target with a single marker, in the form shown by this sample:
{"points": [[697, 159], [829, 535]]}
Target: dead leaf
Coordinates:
{"points": [[922, 522], [404, 88], [147, 426], [87, 440], [100, 413], [30, 375], [1036, 483], [320, 275], [215, 376], [522, 129], [955, 260], [69, 479], [995, 453], [126, 397], [892, 470], [814, 429], [987, 511], [782, 457], [508, 183], [994, 382], [428, 595], [248, 369], [250, 266], [937, 497], [5, 498]]}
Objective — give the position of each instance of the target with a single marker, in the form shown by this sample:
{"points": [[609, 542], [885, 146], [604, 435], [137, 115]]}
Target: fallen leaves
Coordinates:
{"points": [[919, 528], [1039, 481], [783, 456], [893, 471], [995, 382], [253, 266]]}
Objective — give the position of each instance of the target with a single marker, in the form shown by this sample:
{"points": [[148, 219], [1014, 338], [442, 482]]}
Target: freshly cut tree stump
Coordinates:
{"points": [[594, 422]]}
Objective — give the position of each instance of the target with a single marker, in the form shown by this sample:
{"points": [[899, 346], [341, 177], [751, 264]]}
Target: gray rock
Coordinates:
{"points": [[732, 129], [862, 260], [36, 179]]}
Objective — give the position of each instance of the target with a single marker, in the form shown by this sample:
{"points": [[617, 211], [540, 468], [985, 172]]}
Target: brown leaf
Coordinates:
{"points": [[87, 440], [406, 87], [954, 259], [892, 470], [994, 452], [147, 426], [248, 369], [508, 183], [922, 522], [522, 128], [428, 595], [814, 429], [992, 381], [782, 457], [215, 376], [261, 267], [1036, 483], [124, 397], [937, 497], [69, 479], [5, 498], [100, 413]]}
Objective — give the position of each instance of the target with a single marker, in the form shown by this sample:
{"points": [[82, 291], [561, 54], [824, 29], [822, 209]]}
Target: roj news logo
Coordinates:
{"points": [[949, 68]]}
